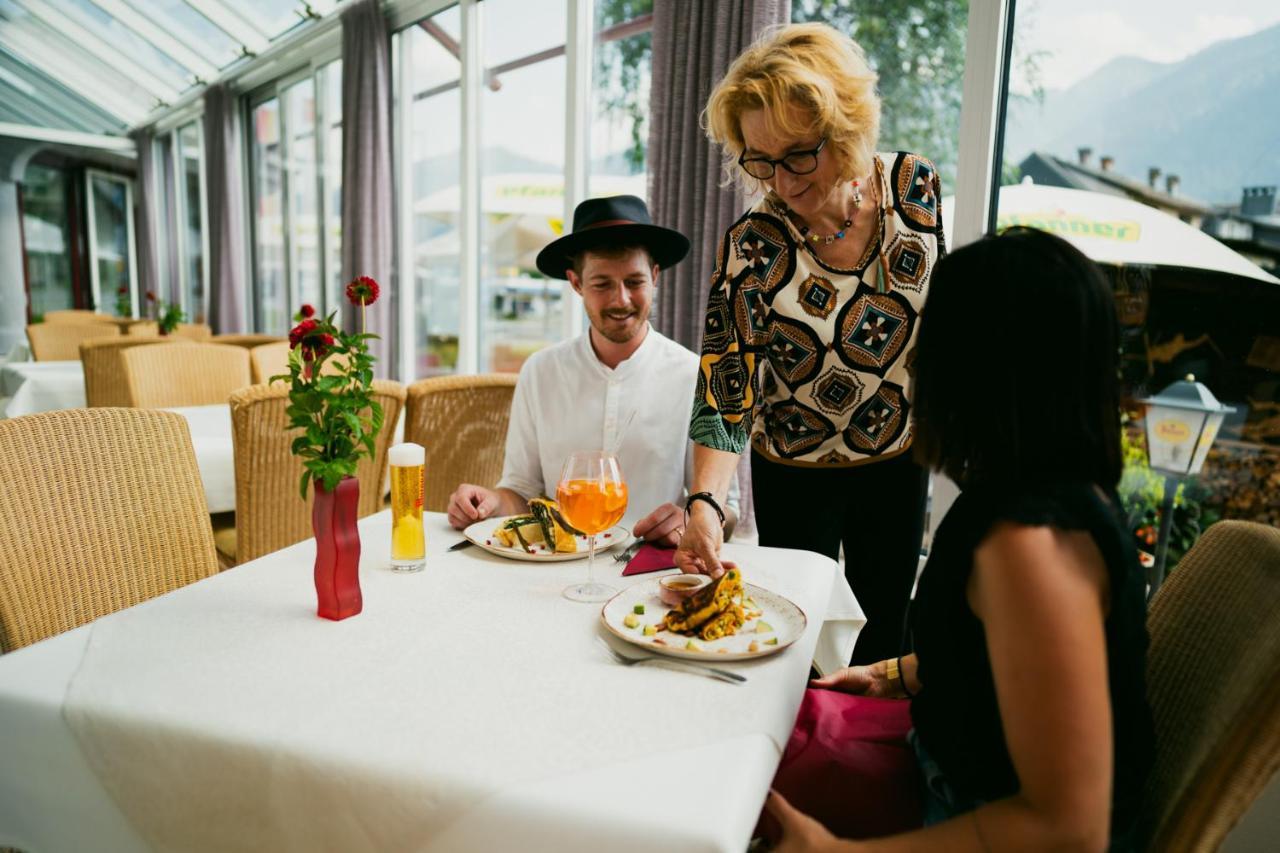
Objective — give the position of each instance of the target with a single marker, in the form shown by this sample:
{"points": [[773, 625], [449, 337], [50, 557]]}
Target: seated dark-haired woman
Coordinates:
{"points": [[1031, 726]]}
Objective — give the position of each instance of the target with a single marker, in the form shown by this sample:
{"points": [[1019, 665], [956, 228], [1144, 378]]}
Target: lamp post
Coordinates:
{"points": [[1182, 422]]}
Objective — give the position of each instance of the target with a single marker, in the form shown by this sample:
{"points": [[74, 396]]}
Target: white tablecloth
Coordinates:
{"points": [[41, 386], [467, 708], [211, 438]]}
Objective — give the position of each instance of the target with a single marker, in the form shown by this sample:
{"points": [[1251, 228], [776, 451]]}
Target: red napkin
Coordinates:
{"points": [[650, 558]]}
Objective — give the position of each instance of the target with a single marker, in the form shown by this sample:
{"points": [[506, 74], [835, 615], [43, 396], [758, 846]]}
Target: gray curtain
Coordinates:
{"points": [[228, 291], [694, 42], [145, 222], [367, 197]]}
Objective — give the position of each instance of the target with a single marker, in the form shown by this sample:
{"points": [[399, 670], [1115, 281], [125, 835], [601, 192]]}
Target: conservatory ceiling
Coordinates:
{"points": [[104, 66]]}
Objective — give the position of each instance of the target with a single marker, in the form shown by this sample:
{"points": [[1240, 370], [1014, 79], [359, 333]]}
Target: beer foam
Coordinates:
{"points": [[407, 454]]}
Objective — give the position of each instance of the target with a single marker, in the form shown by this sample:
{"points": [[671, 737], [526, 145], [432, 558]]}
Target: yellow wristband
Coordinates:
{"points": [[891, 670]]}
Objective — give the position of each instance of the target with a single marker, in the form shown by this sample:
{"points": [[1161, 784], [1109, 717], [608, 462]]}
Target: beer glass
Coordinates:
{"points": [[408, 542], [592, 496]]}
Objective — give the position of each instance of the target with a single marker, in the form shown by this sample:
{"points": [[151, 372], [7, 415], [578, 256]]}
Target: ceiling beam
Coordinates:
{"points": [[120, 144], [249, 35], [57, 96], [179, 49], [67, 68]]}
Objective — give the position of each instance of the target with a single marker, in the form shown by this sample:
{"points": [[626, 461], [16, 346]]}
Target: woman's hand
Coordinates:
{"points": [[800, 833], [868, 680], [699, 548]]}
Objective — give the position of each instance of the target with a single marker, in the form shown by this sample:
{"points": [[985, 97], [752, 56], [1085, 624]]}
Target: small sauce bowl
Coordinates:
{"points": [[674, 589]]}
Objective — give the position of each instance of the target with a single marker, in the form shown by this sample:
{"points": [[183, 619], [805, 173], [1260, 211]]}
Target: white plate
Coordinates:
{"points": [[481, 533], [785, 618]]}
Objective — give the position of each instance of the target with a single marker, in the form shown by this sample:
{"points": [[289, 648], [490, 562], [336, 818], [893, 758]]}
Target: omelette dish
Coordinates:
{"points": [[544, 524], [711, 613]]}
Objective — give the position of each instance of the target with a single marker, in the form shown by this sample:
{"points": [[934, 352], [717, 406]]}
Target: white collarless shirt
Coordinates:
{"points": [[567, 400]]}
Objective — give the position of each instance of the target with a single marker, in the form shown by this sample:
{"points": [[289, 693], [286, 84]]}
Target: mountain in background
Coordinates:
{"points": [[1213, 118]]}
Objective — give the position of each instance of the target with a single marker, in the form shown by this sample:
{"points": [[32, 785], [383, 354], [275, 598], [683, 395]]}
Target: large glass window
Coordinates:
{"points": [[296, 181], [271, 294], [1175, 203], [620, 98], [522, 110], [46, 236], [433, 142], [190, 159]]}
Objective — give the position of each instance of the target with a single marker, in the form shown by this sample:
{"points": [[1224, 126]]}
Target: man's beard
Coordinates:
{"points": [[620, 336]]}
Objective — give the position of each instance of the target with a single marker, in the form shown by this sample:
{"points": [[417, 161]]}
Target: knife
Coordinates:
{"points": [[458, 546]]}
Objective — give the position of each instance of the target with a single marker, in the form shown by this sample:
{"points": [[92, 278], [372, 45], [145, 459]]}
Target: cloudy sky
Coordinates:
{"points": [[1083, 35]]}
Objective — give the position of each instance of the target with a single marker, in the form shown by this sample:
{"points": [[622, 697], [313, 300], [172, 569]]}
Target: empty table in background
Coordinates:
{"points": [[41, 386], [211, 438]]}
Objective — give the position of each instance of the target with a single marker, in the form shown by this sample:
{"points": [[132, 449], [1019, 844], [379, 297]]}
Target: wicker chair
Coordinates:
{"points": [[105, 383], [267, 360], [143, 328], [101, 509], [462, 422], [76, 315], [201, 332], [61, 341], [248, 341], [270, 514], [1213, 680], [184, 374]]}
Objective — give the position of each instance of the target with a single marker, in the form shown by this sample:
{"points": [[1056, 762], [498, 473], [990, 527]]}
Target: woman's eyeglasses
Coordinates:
{"points": [[797, 163]]}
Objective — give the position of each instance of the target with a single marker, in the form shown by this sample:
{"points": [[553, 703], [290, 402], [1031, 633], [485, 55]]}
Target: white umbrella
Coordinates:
{"points": [[1115, 230]]}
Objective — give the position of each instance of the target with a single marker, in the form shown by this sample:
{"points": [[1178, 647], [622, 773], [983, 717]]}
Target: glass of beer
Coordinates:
{"points": [[592, 497], [408, 541]]}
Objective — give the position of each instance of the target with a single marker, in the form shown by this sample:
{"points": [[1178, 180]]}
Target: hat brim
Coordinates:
{"points": [[667, 247]]}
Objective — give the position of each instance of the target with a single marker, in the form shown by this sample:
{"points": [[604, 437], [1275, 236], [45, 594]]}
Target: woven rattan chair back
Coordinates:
{"points": [[143, 329], [184, 374], [101, 509], [267, 360], [270, 514], [76, 315], [201, 332], [61, 341], [105, 382], [462, 423], [248, 341], [1213, 681]]}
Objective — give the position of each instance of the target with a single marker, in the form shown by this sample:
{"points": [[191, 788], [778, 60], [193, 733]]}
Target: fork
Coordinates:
{"points": [[701, 669], [627, 553]]}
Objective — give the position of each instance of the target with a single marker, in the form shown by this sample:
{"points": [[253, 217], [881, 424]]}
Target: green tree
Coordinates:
{"points": [[622, 72]]}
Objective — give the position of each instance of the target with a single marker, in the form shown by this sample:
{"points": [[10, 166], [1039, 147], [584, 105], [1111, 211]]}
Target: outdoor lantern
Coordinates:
{"points": [[1182, 423]]}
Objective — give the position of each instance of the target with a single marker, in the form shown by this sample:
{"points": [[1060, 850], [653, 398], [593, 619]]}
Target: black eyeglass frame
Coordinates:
{"points": [[743, 160]]}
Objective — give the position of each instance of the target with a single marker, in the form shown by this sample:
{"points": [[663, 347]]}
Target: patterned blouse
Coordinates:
{"points": [[811, 363]]}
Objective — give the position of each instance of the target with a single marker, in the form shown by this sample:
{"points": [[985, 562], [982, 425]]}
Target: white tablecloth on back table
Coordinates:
{"points": [[41, 386], [211, 438], [467, 708]]}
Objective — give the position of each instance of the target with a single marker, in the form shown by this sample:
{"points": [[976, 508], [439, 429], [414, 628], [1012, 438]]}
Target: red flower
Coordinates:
{"points": [[122, 291], [362, 291], [326, 339], [151, 297], [307, 310], [299, 332]]}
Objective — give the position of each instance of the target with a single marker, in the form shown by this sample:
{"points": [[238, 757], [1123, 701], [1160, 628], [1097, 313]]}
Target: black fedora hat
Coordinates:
{"points": [[620, 220]]}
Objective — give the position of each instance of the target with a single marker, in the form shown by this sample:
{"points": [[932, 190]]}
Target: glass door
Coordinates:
{"points": [[112, 269]]}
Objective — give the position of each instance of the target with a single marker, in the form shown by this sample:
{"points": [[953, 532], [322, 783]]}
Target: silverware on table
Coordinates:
{"points": [[458, 546], [626, 554], [701, 669]]}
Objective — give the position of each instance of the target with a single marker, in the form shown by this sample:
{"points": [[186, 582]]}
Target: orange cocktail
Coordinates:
{"points": [[592, 506]]}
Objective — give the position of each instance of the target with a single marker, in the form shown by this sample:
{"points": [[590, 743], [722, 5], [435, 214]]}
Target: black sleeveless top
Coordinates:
{"points": [[956, 715]]}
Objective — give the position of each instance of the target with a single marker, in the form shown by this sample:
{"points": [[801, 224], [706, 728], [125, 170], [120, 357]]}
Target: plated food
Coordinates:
{"points": [[540, 536], [725, 619]]}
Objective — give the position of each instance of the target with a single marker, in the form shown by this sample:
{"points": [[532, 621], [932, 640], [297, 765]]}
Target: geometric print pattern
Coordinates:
{"points": [[879, 421], [775, 312], [872, 330]]}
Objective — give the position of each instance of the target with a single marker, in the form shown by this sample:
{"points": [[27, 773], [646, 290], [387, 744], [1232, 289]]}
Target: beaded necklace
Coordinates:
{"points": [[825, 239]]}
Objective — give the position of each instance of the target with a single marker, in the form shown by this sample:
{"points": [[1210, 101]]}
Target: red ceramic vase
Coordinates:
{"points": [[333, 517]]}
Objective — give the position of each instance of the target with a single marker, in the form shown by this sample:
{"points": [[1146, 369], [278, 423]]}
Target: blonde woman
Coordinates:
{"points": [[811, 323]]}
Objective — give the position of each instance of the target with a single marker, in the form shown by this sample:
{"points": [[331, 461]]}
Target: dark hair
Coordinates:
{"points": [[1016, 368], [578, 260]]}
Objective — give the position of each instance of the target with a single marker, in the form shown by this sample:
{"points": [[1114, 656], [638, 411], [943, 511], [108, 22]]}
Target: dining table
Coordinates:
{"points": [[41, 386], [210, 428], [468, 707]]}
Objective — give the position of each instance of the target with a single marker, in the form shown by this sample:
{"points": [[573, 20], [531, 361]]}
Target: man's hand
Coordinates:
{"points": [[663, 526], [469, 504]]}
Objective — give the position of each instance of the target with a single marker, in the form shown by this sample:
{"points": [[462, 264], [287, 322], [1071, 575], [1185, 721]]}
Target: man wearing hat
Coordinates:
{"points": [[621, 386]]}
